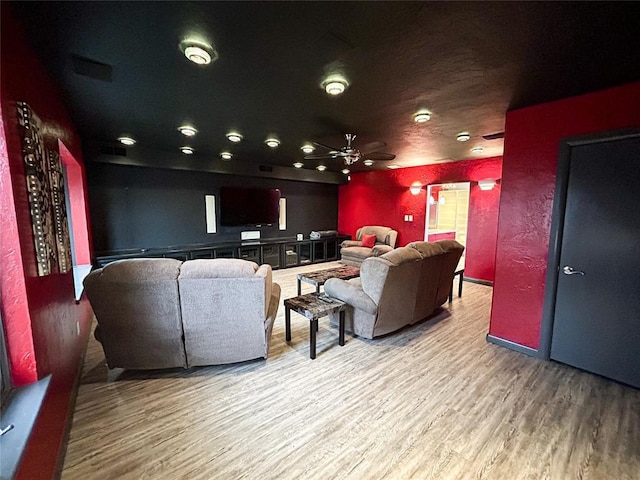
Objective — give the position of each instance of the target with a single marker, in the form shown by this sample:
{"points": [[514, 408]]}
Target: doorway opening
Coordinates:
{"points": [[447, 212]]}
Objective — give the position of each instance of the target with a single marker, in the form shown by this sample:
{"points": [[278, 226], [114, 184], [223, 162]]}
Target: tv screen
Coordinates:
{"points": [[249, 206]]}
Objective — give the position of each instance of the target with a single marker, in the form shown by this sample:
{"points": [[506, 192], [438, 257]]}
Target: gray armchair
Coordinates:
{"points": [[353, 253]]}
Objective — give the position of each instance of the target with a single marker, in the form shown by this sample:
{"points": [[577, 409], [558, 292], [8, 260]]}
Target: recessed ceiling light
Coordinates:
{"points": [[422, 117], [346, 171], [307, 148], [321, 168], [186, 150], [298, 164], [272, 142], [226, 155], [393, 167], [234, 137], [126, 141], [463, 137], [187, 130], [368, 163], [477, 150], [198, 52], [335, 84]]}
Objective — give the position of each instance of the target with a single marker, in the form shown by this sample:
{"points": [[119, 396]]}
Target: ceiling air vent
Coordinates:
{"points": [[91, 68], [266, 168], [493, 136], [119, 151]]}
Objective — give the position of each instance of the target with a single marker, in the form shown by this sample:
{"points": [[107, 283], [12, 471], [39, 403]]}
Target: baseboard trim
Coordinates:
{"points": [[477, 280], [532, 352]]}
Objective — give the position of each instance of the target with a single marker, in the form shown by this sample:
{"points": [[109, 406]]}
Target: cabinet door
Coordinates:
{"points": [[271, 255], [250, 253], [224, 252], [332, 250], [319, 251], [290, 255], [196, 254], [304, 250]]}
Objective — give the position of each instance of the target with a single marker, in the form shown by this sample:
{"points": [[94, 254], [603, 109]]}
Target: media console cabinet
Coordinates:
{"points": [[277, 252]]}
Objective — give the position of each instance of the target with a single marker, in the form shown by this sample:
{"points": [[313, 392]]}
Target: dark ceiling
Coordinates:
{"points": [[465, 62]]}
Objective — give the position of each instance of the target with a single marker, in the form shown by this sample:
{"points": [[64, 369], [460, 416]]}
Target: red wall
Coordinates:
{"points": [[532, 138], [39, 313], [382, 197]]}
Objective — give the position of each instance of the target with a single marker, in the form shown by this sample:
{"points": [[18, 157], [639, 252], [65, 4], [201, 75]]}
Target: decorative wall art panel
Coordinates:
{"points": [[45, 188]]}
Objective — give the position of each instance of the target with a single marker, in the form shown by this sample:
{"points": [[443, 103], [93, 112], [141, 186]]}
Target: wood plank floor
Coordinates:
{"points": [[434, 401]]}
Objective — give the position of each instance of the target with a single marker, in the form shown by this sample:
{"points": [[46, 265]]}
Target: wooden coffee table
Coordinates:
{"points": [[319, 277], [313, 306]]}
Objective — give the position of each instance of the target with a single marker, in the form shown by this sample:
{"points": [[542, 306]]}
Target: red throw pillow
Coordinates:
{"points": [[368, 241]]}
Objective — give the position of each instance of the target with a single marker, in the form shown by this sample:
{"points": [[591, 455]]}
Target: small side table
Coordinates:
{"points": [[460, 279], [313, 306]]}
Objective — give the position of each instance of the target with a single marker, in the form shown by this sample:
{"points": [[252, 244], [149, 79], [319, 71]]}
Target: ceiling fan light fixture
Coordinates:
{"points": [[187, 130], [298, 164], [321, 168], [234, 137], [368, 163], [226, 155], [187, 150], [307, 148], [272, 142], [335, 85], [128, 141], [463, 137], [422, 117], [198, 52], [346, 171]]}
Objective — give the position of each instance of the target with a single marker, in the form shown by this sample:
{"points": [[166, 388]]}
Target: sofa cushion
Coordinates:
{"points": [[218, 268], [401, 255], [382, 234], [426, 249], [368, 240]]}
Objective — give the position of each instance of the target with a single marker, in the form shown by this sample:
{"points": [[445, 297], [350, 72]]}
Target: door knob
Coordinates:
{"points": [[568, 270]]}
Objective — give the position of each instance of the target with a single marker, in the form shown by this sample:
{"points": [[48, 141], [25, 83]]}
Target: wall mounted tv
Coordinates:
{"points": [[249, 206]]}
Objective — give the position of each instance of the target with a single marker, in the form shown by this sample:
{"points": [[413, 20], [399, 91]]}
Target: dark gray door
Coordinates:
{"points": [[597, 316]]}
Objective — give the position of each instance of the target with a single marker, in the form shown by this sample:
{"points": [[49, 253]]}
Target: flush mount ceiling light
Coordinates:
{"points": [[422, 117], [187, 130], [186, 150], [393, 167], [477, 150], [226, 155], [463, 137], [321, 168], [335, 85], [199, 53], [272, 142], [234, 137], [298, 164], [346, 171], [128, 141], [307, 148], [368, 163]]}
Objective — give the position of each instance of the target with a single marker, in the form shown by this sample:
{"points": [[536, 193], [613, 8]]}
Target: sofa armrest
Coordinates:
{"points": [[380, 250], [351, 243], [351, 294]]}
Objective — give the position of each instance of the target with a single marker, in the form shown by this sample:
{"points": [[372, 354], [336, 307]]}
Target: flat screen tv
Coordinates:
{"points": [[249, 206]]}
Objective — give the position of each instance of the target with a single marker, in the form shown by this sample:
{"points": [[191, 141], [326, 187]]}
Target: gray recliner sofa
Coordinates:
{"points": [[398, 288], [157, 313], [353, 253]]}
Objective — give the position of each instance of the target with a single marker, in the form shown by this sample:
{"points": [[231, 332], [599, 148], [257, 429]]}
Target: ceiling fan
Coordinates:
{"points": [[351, 154]]}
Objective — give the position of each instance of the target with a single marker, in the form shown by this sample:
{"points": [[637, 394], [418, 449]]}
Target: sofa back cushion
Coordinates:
{"points": [[430, 271], [138, 312], [224, 304]]}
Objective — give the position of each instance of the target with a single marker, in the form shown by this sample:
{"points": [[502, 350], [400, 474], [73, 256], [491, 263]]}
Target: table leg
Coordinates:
{"points": [[299, 287], [317, 288], [287, 323], [451, 293], [313, 327], [341, 338], [460, 283]]}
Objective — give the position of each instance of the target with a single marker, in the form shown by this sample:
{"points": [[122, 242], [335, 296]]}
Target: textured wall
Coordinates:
{"points": [[41, 314], [528, 182], [382, 197]]}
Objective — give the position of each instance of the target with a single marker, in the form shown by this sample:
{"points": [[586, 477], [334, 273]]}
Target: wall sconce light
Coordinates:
{"points": [[415, 188], [487, 184], [432, 200]]}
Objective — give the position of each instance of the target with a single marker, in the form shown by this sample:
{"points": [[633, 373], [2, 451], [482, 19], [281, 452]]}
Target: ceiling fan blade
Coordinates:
{"points": [[330, 155], [373, 146], [325, 146], [378, 156]]}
